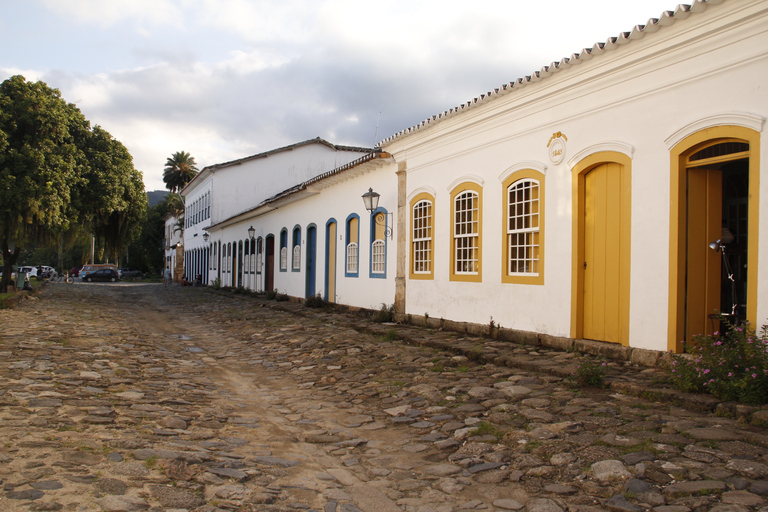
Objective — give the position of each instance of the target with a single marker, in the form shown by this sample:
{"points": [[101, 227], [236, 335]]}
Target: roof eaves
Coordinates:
{"points": [[371, 156], [316, 140]]}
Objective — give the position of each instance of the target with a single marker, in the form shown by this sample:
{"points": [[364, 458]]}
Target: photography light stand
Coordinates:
{"points": [[717, 245]]}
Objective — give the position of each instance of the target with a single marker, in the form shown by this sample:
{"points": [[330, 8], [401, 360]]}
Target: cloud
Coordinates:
{"points": [[224, 79], [110, 13]]}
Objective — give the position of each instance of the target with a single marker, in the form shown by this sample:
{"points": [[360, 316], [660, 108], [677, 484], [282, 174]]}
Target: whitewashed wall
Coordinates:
{"points": [[193, 234], [242, 186], [338, 202], [631, 99]]}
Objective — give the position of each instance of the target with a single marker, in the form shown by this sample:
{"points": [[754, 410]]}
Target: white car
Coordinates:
{"points": [[30, 271]]}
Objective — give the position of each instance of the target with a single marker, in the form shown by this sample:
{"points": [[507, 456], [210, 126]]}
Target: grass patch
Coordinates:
{"points": [[486, 428], [390, 335], [475, 353], [530, 446], [385, 314], [590, 374]]}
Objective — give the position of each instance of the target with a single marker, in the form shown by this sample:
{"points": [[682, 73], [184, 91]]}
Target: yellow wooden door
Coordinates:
{"points": [[602, 253], [704, 219], [330, 263]]}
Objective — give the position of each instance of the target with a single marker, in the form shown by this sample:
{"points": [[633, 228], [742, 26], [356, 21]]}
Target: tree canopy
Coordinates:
{"points": [[180, 168], [57, 174]]}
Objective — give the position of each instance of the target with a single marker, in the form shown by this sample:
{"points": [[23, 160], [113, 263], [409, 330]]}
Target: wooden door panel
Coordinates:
{"points": [[602, 236], [704, 226]]}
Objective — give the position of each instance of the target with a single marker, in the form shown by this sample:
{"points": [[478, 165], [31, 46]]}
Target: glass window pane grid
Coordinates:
{"points": [[352, 258], [523, 228], [422, 237], [466, 228], [377, 257], [296, 257], [466, 255], [284, 258]]}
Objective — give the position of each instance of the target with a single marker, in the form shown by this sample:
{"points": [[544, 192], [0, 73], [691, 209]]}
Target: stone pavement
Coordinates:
{"points": [[131, 397]]}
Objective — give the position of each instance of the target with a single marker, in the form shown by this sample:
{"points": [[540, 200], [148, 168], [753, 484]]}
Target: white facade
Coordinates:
{"points": [[224, 190], [641, 101], [172, 245], [197, 218], [578, 202], [320, 237], [242, 184]]}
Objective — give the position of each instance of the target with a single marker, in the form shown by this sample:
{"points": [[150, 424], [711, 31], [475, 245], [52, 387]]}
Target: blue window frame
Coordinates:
{"points": [[284, 250], [296, 250], [377, 266], [352, 246]]}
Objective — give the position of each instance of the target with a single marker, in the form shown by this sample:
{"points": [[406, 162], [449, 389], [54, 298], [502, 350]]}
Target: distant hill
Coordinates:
{"points": [[156, 196]]}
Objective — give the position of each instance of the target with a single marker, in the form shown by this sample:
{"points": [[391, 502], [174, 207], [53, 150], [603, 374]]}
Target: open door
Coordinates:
{"points": [[717, 218]]}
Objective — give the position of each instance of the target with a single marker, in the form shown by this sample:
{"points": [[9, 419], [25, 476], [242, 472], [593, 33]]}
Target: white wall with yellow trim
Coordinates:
{"points": [[703, 70]]}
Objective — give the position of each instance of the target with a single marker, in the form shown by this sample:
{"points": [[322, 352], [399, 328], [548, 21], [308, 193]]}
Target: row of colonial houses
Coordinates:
{"points": [[614, 196]]}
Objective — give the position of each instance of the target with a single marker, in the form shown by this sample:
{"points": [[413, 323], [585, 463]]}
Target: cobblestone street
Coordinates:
{"points": [[131, 397]]}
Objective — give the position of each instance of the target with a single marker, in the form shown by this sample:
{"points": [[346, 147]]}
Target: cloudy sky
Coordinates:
{"points": [[224, 79]]}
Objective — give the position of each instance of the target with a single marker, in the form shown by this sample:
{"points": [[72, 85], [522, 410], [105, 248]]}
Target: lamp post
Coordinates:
{"points": [[206, 237], [371, 201], [251, 233]]}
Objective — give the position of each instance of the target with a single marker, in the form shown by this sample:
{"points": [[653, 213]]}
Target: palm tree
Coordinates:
{"points": [[180, 168]]}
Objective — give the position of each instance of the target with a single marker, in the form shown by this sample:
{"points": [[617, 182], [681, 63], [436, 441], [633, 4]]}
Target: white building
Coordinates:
{"points": [[579, 202], [223, 191], [173, 248]]}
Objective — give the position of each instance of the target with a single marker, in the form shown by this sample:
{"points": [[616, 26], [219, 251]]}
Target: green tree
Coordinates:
{"points": [[113, 204], [40, 163], [180, 168], [146, 252], [58, 176]]}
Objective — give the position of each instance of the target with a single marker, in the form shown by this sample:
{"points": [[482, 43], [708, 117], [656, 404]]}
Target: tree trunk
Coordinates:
{"points": [[9, 260]]}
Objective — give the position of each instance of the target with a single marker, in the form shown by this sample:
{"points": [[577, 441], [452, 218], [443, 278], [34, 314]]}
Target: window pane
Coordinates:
{"points": [[523, 227], [422, 237]]}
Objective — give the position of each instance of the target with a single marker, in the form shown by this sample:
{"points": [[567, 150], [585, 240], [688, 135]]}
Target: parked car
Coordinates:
{"points": [[30, 271], [130, 272], [75, 271], [102, 274], [87, 269]]}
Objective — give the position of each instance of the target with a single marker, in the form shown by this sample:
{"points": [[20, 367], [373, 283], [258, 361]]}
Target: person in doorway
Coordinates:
{"points": [[167, 277]]}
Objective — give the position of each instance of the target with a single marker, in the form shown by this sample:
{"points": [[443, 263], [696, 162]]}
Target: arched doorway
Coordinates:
{"points": [[601, 266], [239, 263], [330, 260], [714, 216], [269, 270], [311, 272]]}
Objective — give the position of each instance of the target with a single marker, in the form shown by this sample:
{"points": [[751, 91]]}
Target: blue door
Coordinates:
{"points": [[311, 260]]}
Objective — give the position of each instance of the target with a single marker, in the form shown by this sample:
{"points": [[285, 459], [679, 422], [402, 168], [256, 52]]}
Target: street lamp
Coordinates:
{"points": [[251, 233], [371, 201], [206, 237]]}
